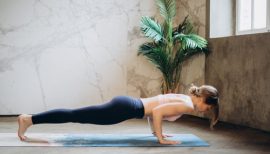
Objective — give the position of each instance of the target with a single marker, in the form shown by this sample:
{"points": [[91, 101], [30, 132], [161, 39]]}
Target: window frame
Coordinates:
{"points": [[252, 30]]}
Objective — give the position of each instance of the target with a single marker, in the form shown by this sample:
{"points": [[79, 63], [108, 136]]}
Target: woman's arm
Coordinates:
{"points": [[150, 122], [160, 111]]}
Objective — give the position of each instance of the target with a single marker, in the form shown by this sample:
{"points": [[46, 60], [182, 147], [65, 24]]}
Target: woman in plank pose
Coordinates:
{"points": [[120, 108]]}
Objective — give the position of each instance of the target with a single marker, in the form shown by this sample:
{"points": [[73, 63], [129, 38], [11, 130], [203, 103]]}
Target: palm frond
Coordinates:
{"points": [[186, 53], [184, 27], [166, 8], [166, 30], [190, 52], [155, 54], [151, 28], [190, 41]]}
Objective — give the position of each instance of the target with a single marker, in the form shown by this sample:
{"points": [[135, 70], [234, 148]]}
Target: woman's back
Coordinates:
{"points": [[152, 102]]}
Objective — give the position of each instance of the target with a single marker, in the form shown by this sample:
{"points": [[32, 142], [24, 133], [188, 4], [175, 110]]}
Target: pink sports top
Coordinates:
{"points": [[172, 97]]}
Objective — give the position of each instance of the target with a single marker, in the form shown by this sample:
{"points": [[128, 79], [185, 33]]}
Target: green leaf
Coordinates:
{"points": [[190, 41], [156, 55], [151, 28], [166, 8]]}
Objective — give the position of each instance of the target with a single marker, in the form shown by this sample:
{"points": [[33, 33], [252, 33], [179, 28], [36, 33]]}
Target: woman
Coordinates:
{"points": [[120, 108]]}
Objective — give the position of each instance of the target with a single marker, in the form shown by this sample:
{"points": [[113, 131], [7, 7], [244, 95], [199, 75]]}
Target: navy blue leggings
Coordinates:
{"points": [[118, 109]]}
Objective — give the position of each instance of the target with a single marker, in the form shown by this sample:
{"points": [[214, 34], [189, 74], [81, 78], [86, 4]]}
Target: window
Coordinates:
{"points": [[252, 16], [221, 15]]}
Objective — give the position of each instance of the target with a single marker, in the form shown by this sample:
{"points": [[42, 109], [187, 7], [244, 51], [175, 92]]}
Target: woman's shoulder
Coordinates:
{"points": [[174, 95]]}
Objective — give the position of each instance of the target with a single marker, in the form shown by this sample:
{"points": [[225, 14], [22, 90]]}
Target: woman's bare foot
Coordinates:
{"points": [[24, 121]]}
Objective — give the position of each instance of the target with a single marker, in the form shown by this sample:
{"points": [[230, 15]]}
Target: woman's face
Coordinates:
{"points": [[201, 106]]}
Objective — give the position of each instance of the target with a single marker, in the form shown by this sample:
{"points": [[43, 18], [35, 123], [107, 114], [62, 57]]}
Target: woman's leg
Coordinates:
{"points": [[96, 114], [108, 113], [120, 108]]}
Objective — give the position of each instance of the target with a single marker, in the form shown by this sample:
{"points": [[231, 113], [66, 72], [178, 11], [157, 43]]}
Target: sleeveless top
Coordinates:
{"points": [[165, 98]]}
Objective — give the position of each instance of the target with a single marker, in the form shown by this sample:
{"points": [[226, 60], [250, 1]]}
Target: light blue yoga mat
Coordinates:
{"points": [[98, 140]]}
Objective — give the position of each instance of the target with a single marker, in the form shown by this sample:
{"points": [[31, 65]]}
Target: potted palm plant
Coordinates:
{"points": [[169, 46]]}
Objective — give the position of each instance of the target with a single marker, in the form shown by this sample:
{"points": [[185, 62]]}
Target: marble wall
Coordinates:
{"points": [[75, 53], [70, 53]]}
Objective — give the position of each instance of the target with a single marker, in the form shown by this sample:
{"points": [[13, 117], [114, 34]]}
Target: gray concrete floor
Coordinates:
{"points": [[226, 138]]}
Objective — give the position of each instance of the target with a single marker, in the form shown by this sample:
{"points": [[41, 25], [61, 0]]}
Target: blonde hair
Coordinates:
{"points": [[211, 97]]}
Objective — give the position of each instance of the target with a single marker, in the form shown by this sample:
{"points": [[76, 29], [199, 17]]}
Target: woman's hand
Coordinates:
{"points": [[163, 141]]}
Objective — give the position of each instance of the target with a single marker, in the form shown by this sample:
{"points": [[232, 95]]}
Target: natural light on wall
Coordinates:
{"points": [[252, 16]]}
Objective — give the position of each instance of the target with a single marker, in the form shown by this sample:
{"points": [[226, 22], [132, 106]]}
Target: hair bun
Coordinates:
{"points": [[194, 89]]}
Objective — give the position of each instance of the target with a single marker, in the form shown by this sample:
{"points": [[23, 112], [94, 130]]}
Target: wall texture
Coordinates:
{"points": [[239, 67], [71, 53], [193, 70], [75, 53]]}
